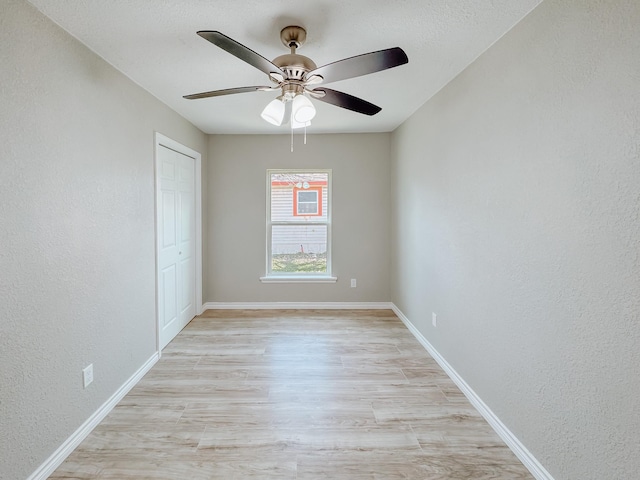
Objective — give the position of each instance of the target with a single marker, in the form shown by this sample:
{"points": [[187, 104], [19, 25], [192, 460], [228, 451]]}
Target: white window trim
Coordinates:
{"points": [[288, 278], [275, 277]]}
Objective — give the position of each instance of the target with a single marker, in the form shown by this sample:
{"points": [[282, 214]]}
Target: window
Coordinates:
{"points": [[298, 226], [307, 202]]}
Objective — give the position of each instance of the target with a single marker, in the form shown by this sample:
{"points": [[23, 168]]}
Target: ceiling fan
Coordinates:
{"points": [[297, 77]]}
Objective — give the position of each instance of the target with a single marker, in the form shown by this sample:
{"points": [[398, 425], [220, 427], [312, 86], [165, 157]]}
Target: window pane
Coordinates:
{"points": [[299, 249], [311, 196], [309, 208]]}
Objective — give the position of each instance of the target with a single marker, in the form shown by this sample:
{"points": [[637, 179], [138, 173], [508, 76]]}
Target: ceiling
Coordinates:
{"points": [[154, 43]]}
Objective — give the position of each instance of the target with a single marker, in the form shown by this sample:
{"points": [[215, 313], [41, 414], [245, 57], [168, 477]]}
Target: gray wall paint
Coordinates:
{"points": [[236, 215], [77, 236], [516, 219]]}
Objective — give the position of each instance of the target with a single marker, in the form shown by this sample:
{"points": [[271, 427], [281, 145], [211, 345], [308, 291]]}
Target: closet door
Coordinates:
{"points": [[176, 242]]}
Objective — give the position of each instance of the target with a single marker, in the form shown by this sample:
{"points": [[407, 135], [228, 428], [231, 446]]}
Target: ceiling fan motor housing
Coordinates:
{"points": [[294, 65]]}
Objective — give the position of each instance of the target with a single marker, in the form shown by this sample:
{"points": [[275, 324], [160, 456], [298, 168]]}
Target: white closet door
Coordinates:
{"points": [[176, 242]]}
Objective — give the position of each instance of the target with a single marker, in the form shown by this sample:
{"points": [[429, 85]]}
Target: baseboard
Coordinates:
{"points": [[297, 306], [525, 456], [54, 461]]}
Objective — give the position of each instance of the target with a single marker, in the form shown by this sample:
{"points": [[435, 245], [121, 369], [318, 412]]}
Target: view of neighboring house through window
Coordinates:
{"points": [[298, 222]]}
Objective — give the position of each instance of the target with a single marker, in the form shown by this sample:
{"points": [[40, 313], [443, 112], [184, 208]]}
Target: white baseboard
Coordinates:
{"points": [[525, 456], [54, 461], [297, 306]]}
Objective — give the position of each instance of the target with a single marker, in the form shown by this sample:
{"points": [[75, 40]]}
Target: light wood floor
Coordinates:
{"points": [[294, 395]]}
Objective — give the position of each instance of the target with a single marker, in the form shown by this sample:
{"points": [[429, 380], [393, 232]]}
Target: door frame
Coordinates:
{"points": [[164, 141]]}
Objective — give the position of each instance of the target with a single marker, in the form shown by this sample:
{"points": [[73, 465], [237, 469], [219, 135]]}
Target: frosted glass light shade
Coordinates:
{"points": [[295, 124], [302, 109], [274, 112]]}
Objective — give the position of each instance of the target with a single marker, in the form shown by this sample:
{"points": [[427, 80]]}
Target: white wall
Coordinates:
{"points": [[236, 240], [77, 232], [516, 216]]}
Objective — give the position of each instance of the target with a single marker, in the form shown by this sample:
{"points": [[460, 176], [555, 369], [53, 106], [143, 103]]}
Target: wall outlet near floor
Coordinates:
{"points": [[353, 283], [87, 375], [434, 319]]}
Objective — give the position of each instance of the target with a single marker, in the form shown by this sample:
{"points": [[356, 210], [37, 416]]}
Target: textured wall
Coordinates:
{"points": [[516, 208], [236, 216], [77, 281]]}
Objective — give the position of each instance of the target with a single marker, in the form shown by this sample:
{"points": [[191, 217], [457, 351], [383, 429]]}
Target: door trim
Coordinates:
{"points": [[163, 140]]}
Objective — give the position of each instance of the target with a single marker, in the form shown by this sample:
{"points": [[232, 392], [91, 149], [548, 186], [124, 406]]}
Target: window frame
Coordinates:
{"points": [[314, 219]]}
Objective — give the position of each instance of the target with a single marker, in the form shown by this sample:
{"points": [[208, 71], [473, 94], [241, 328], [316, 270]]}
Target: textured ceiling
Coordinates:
{"points": [[154, 43]]}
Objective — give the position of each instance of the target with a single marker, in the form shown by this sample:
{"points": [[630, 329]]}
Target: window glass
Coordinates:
{"points": [[298, 226]]}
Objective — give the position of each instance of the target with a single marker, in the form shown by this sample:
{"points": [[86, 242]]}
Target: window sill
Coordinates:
{"points": [[298, 279]]}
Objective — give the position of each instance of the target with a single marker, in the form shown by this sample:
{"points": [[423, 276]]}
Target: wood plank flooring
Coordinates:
{"points": [[294, 394]]}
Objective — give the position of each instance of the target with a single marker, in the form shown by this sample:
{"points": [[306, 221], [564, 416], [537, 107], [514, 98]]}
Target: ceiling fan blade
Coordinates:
{"points": [[344, 100], [227, 91], [243, 53], [361, 65]]}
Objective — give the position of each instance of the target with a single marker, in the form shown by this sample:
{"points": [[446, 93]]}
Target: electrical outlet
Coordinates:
{"points": [[434, 319], [353, 283], [87, 375]]}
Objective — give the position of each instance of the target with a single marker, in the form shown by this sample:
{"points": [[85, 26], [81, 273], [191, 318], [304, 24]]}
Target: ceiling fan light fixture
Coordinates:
{"points": [[293, 74], [295, 124], [274, 112], [303, 110]]}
